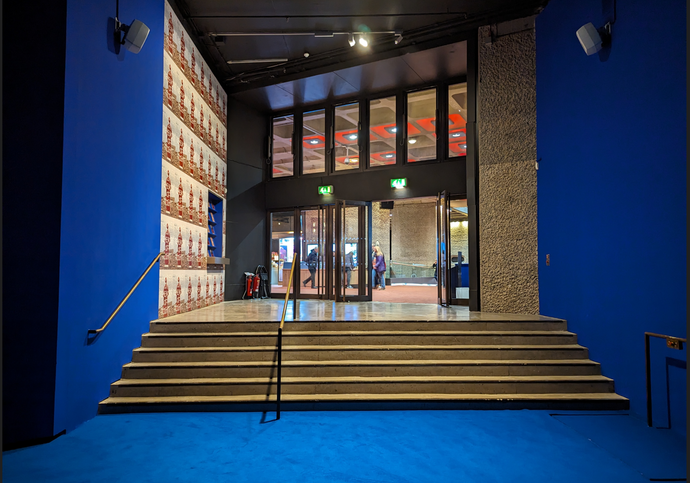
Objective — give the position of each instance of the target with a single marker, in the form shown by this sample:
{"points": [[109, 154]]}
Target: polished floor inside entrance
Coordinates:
{"points": [[305, 310]]}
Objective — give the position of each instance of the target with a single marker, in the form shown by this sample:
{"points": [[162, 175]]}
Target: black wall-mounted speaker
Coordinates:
{"points": [[386, 205]]}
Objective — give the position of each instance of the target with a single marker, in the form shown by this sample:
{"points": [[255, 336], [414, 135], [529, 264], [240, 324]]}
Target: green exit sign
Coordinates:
{"points": [[398, 183], [326, 190]]}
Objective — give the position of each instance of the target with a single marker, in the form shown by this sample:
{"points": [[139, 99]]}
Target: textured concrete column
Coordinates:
{"points": [[507, 175]]}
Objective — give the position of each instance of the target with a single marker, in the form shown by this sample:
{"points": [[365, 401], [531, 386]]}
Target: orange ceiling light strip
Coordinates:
{"points": [[308, 144], [384, 132], [343, 137]]}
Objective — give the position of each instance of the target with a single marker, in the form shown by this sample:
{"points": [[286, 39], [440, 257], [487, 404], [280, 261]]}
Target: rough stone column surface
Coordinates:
{"points": [[507, 175]]}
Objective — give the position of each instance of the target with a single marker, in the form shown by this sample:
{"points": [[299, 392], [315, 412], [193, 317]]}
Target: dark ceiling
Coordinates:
{"points": [[287, 29]]}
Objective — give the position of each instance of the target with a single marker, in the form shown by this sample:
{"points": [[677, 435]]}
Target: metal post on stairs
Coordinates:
{"points": [[280, 365]]}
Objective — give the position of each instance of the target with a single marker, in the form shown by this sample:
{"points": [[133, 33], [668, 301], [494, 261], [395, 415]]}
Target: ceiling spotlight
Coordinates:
{"points": [[352, 137], [351, 40], [363, 41], [313, 141], [388, 155], [398, 38], [412, 140], [306, 54]]}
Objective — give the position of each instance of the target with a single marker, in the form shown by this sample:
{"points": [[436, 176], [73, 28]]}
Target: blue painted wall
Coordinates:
{"points": [[110, 203], [611, 133]]}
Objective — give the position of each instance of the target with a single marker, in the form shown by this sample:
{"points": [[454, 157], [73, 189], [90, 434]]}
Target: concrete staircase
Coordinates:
{"points": [[216, 366]]}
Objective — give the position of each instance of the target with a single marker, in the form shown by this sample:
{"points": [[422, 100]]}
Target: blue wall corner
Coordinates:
{"points": [[611, 135], [110, 226]]}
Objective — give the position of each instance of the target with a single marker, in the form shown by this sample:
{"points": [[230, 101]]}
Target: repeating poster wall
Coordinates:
{"points": [[194, 157]]}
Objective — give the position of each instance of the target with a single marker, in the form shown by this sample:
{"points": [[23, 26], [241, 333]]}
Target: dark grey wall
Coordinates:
{"points": [[246, 201], [372, 185]]}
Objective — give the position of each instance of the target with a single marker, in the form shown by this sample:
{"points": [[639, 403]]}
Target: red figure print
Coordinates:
{"points": [[221, 287], [216, 182], [189, 294], [209, 171], [180, 154], [170, 33], [168, 186], [214, 289], [193, 67], [202, 81], [182, 59], [210, 129], [166, 256], [223, 185], [191, 207], [217, 143], [225, 154], [201, 164], [217, 101], [179, 249], [166, 291], [198, 256], [179, 294], [190, 252], [192, 120], [180, 194], [207, 289], [168, 143], [191, 159], [170, 86], [201, 214], [181, 97], [198, 293], [201, 122]]}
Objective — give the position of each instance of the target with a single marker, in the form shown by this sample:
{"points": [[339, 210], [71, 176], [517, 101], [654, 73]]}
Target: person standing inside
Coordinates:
{"points": [[312, 262], [374, 275], [380, 266], [349, 264]]}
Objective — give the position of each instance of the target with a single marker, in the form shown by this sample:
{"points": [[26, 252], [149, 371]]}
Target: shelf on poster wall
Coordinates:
{"points": [[212, 235], [212, 223], [211, 209]]}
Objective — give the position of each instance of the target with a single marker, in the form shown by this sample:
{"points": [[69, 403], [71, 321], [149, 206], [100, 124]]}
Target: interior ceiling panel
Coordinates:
{"points": [[289, 28]]}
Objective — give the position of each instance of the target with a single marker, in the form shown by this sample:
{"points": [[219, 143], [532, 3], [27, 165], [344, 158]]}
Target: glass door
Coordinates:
{"points": [[351, 258], [443, 248], [314, 253]]}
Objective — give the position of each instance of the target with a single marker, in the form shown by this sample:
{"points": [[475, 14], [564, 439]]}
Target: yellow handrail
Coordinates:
{"points": [[287, 293], [112, 316]]}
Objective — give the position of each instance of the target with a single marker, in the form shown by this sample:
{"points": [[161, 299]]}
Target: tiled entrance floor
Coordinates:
{"points": [[272, 309]]}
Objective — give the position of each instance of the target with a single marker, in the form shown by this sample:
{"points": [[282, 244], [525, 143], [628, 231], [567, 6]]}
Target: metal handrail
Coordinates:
{"points": [[672, 342], [112, 316], [280, 337]]}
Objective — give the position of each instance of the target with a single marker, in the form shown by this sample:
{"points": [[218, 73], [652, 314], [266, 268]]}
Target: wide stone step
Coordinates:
{"points": [[362, 385], [163, 326], [305, 402], [245, 339], [164, 370], [361, 352]]}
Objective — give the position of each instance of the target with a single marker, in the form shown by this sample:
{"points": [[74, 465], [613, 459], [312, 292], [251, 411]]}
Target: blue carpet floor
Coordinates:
{"points": [[356, 447]]}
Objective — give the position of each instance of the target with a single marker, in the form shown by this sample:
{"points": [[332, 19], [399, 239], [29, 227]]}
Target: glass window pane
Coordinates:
{"points": [[283, 162], [457, 115], [282, 249], [421, 125], [314, 142], [382, 131], [346, 137]]}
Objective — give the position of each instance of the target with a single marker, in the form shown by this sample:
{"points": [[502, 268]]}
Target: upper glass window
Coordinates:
{"points": [[314, 142], [282, 158], [421, 125], [457, 115], [347, 137], [382, 131]]}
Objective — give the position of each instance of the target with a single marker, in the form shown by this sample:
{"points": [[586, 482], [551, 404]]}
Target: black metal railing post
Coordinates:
{"points": [[672, 343], [280, 367]]}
